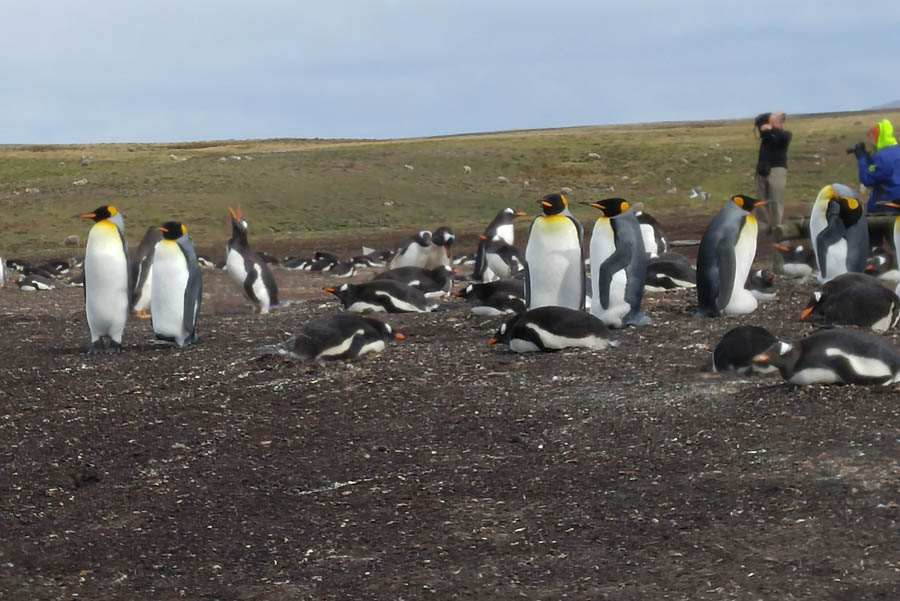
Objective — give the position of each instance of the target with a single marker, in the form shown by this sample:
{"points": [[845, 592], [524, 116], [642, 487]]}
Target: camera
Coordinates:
{"points": [[858, 146]]}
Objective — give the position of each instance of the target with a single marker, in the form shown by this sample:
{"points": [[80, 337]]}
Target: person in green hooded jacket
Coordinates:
{"points": [[880, 171]]}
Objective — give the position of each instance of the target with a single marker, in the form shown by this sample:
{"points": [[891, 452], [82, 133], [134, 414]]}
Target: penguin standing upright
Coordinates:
{"points": [[618, 265], [177, 287], [501, 226], [726, 253], [839, 232], [503, 259], [439, 252], [554, 257], [248, 269], [412, 252], [107, 279], [142, 271], [896, 237], [655, 242]]}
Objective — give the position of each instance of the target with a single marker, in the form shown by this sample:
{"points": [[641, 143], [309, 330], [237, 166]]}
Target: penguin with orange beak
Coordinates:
{"points": [[176, 288], [839, 232], [726, 254], [107, 279], [248, 269], [554, 257]]}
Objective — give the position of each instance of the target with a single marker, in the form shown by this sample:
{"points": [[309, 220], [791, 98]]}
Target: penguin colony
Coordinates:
{"points": [[543, 290]]}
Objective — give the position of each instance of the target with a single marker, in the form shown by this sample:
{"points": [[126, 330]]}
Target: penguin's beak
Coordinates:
{"points": [[457, 294], [806, 312], [492, 341], [759, 203], [447, 250], [545, 204], [235, 214], [521, 214], [162, 229], [399, 336], [781, 247], [482, 237], [761, 358], [328, 289], [86, 215]]}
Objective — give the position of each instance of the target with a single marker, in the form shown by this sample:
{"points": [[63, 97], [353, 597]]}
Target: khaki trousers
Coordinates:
{"points": [[771, 189]]}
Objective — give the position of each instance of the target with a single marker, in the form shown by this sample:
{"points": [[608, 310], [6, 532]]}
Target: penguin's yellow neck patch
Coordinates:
{"points": [[106, 224], [556, 218]]}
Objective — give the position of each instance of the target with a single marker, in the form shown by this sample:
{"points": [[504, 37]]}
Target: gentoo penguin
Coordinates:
{"points": [[107, 279], [839, 232], [761, 284], [206, 262], [669, 271], [248, 269], [865, 305], [503, 259], [553, 328], [798, 261], [502, 226], [554, 257], [618, 265], [177, 287], [726, 253], [384, 296], [2, 273], [413, 252], [142, 271], [499, 297], [737, 348], [31, 283], [439, 252], [881, 265], [432, 282], [655, 242], [835, 356], [332, 337]]}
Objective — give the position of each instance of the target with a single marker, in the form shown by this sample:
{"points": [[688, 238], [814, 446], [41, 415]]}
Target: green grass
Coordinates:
{"points": [[301, 189]]}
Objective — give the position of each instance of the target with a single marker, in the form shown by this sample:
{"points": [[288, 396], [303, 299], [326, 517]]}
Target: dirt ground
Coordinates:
{"points": [[441, 469]]}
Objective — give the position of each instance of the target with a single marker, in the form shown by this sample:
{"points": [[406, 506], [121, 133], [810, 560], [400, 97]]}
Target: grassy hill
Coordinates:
{"points": [[292, 190]]}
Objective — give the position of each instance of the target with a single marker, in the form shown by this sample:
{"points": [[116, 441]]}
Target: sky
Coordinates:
{"points": [[183, 70]]}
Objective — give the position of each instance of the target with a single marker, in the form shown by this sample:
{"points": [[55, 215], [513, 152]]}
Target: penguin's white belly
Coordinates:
{"points": [[649, 237], [436, 257], [742, 300], [835, 260], [106, 282], [234, 265], [507, 233], [817, 223], [555, 268], [498, 266], [415, 256], [602, 247], [142, 301], [167, 292]]}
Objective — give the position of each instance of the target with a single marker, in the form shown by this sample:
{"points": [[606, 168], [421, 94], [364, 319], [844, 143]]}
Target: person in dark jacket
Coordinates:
{"points": [[880, 171], [771, 168]]}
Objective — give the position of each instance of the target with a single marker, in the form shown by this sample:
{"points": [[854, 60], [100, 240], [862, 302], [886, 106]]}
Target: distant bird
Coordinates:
{"points": [[554, 257], [839, 232], [835, 356], [726, 253], [248, 269], [107, 279], [335, 337]]}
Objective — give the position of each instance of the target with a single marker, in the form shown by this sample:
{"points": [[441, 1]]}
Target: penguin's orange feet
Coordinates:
{"points": [[142, 314]]}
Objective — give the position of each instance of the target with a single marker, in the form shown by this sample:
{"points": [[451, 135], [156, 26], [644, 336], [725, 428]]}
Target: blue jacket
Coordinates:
{"points": [[881, 172]]}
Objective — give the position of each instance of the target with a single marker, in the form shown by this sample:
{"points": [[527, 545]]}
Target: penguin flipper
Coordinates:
{"points": [[727, 265], [269, 281], [250, 280], [583, 277], [192, 296], [830, 234], [613, 264]]}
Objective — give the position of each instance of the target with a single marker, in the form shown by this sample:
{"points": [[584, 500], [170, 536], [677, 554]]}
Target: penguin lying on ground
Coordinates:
{"points": [[412, 252], [432, 282], [388, 296], [798, 261], [865, 305], [499, 297], [439, 252], [177, 287], [761, 284], [333, 337], [248, 269], [839, 232], [835, 356], [618, 265], [737, 348], [552, 329], [882, 265], [726, 253], [31, 283], [554, 257], [142, 271], [107, 279], [669, 271]]}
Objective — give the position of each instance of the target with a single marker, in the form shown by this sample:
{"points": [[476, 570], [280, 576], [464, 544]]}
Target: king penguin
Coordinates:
{"points": [[618, 265], [142, 271], [177, 287], [839, 232], [107, 279], [726, 253], [248, 269], [554, 257]]}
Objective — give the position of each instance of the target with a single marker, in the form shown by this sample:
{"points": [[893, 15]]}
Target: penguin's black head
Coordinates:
{"points": [[553, 204], [851, 209], [814, 299], [502, 335], [172, 230], [423, 238], [101, 213], [443, 236], [782, 355], [237, 222], [386, 330], [610, 206], [511, 213], [746, 202]]}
